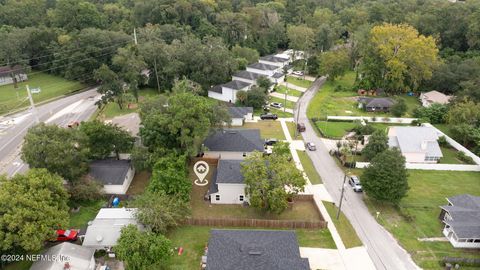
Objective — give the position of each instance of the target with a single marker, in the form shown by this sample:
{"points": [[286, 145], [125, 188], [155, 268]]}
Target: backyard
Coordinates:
{"points": [[87, 212], [291, 92], [112, 109], [268, 129], [338, 129], [299, 82], [51, 87]]}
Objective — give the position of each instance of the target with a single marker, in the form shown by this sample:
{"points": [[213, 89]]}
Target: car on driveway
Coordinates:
{"points": [[269, 116], [276, 105], [298, 73], [66, 235], [311, 146], [270, 141], [354, 181]]}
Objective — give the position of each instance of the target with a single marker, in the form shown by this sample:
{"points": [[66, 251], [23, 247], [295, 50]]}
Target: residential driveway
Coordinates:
{"points": [[382, 248], [282, 96]]}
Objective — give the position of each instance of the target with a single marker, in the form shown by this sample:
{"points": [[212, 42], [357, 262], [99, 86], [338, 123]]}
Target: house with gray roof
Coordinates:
{"points": [[375, 104], [228, 91], [247, 76], [462, 221], [9, 75], [73, 257], [254, 249], [265, 69], [115, 175], [240, 114], [417, 144], [227, 186], [233, 143], [274, 60]]}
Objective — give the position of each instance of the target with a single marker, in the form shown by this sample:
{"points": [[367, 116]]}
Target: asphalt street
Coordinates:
{"points": [[382, 247], [77, 107]]}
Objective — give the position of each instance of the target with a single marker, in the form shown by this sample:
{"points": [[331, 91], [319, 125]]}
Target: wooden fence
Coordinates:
{"points": [[258, 223]]}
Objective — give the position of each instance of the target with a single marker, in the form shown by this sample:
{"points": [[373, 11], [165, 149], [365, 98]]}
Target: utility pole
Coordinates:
{"points": [[341, 196], [34, 110]]}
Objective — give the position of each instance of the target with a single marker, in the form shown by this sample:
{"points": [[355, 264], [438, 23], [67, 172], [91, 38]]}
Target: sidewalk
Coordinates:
{"points": [[282, 96]]}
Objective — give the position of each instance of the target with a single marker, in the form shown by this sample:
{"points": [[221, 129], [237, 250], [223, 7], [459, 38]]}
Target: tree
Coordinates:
{"points": [[385, 179], [75, 15], [130, 65], [264, 82], [464, 112], [170, 176], [256, 98], [32, 206], [111, 87], [242, 96], [399, 108], [104, 139], [377, 143], [334, 63], [161, 212], [142, 250], [59, 150], [300, 37], [85, 189], [435, 113], [251, 55], [271, 181]]}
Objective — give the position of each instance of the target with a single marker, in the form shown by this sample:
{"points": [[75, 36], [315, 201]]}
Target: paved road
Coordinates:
{"points": [[13, 128], [383, 249]]}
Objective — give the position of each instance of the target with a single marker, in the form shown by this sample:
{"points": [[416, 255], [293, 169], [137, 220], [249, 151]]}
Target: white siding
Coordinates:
{"points": [[236, 122], [229, 194], [216, 96], [227, 155], [120, 189]]}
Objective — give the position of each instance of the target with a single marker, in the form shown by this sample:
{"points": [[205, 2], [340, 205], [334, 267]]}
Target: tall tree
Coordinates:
{"points": [[76, 15], [111, 87], [170, 176], [377, 143], [385, 179], [32, 206], [334, 63], [130, 64], [301, 37]]}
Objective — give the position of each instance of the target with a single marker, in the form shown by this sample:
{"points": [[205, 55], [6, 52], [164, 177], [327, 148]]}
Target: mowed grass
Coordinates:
{"points": [[51, 86], [194, 239], [87, 212], [450, 156], [335, 129], [112, 109], [291, 129], [279, 113], [417, 215], [291, 92], [268, 129], [343, 226], [299, 82], [309, 168], [289, 104]]}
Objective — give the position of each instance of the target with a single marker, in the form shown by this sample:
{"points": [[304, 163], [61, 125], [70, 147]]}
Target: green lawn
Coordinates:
{"points": [[112, 109], [279, 113], [268, 129], [343, 226], [299, 82], [445, 128], [310, 170], [417, 215], [289, 104], [450, 156], [335, 129], [51, 86], [291, 129], [87, 212], [291, 92], [194, 239]]}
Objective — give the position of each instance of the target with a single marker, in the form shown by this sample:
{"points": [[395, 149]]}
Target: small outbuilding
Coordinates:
{"points": [[115, 175], [240, 114]]}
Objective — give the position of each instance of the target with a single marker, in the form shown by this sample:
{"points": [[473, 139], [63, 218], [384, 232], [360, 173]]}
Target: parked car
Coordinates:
{"points": [[266, 108], [311, 146], [276, 105], [73, 124], [301, 127], [271, 141], [66, 235], [354, 181], [298, 73], [268, 116]]}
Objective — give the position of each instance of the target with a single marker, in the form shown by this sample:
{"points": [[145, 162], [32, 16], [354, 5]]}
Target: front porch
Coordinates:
{"points": [[460, 242]]}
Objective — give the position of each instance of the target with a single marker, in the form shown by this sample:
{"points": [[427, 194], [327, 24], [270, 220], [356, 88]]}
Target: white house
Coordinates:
{"points": [[462, 221], [104, 231], [233, 143], [228, 92], [240, 114], [274, 60], [227, 186], [264, 69], [115, 175], [8, 74], [417, 144], [432, 97], [247, 76], [75, 258]]}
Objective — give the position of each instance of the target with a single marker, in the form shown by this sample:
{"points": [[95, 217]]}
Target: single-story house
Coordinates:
{"points": [[228, 92], [462, 221], [227, 186], [129, 122], [417, 144], [233, 143], [240, 114], [8, 74], [115, 175], [432, 97], [267, 70], [74, 257], [104, 231], [375, 104], [247, 76], [254, 249], [274, 60]]}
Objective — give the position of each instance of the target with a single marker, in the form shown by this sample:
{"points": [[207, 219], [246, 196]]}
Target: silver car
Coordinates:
{"points": [[354, 181], [311, 146]]}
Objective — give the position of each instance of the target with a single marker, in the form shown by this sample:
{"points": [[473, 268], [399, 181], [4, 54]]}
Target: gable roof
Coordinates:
{"points": [[437, 97], [7, 70], [235, 140], [415, 140], [465, 213], [273, 58], [236, 85], [216, 89], [254, 249], [228, 172], [109, 171], [239, 112], [248, 75], [79, 257], [262, 66], [376, 102]]}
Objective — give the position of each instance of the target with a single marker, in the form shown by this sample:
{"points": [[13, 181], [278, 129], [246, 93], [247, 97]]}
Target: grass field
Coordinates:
{"points": [[445, 128], [51, 86], [344, 228], [417, 215], [335, 129], [310, 170], [450, 156], [268, 129], [112, 109], [87, 212], [288, 104], [194, 239], [291, 92], [299, 82], [281, 113], [291, 129]]}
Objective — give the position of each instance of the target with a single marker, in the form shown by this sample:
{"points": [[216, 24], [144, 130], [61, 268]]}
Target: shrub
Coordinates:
{"points": [[364, 129], [442, 141], [86, 189], [399, 108], [434, 114], [467, 159]]}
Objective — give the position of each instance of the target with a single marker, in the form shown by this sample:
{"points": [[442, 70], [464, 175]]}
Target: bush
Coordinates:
{"points": [[86, 189], [435, 114], [467, 159], [364, 129], [399, 108], [442, 141]]}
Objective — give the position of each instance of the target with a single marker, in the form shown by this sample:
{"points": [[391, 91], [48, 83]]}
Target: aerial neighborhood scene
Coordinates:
{"points": [[239, 135]]}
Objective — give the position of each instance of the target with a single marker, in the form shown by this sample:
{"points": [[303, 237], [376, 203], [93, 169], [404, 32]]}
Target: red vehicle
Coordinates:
{"points": [[67, 235]]}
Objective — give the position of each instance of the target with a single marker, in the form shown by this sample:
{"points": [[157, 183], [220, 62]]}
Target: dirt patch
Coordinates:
{"points": [[139, 183]]}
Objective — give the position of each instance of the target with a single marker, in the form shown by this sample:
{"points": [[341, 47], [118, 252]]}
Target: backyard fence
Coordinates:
{"points": [[259, 223]]}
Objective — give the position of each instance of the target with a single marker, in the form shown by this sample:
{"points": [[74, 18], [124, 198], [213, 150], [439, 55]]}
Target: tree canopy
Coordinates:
{"points": [[377, 143]]}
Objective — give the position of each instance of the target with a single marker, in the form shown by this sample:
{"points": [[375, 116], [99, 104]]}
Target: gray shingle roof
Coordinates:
{"points": [[465, 214], [239, 112], [254, 249], [79, 257], [109, 171], [376, 102], [416, 140], [273, 59], [235, 140], [216, 89], [262, 66], [248, 75], [228, 172], [277, 75], [237, 85]]}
